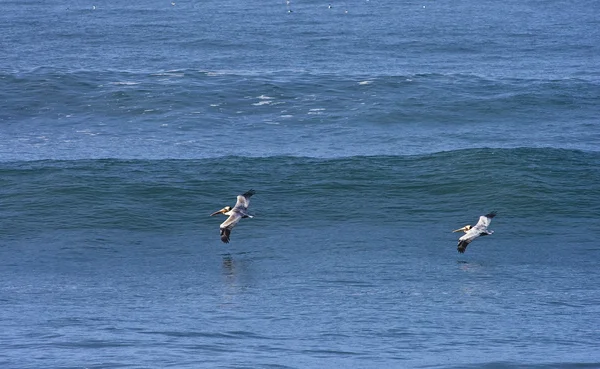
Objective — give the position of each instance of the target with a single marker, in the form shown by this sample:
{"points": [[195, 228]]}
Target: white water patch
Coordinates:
{"points": [[316, 111], [362, 83], [87, 132], [264, 100], [169, 73], [124, 83]]}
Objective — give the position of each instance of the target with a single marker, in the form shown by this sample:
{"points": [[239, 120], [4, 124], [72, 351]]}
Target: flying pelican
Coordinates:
{"points": [[472, 233], [238, 212]]}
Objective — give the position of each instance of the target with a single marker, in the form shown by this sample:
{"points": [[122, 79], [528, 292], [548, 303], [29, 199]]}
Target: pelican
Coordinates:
{"points": [[471, 233], [234, 214]]}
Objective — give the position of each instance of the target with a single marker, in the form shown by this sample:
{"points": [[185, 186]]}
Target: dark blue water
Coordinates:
{"points": [[369, 130]]}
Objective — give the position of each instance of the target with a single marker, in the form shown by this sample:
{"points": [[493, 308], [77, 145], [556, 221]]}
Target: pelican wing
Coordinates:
{"points": [[228, 225], [225, 233], [243, 201], [470, 235], [230, 222], [484, 221], [462, 245], [467, 238]]}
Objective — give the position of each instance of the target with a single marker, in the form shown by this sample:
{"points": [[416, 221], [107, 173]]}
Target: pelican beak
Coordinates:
{"points": [[219, 212], [463, 229]]}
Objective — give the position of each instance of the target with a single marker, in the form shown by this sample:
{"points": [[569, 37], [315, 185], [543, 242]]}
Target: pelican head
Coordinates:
{"points": [[463, 229], [222, 211]]}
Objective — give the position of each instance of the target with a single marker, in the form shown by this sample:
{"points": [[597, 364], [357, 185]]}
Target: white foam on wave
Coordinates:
{"points": [[124, 83], [169, 73], [316, 111], [87, 132], [264, 102]]}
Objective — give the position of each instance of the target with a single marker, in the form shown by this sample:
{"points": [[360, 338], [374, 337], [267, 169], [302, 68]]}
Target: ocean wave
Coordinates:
{"points": [[168, 194], [289, 74]]}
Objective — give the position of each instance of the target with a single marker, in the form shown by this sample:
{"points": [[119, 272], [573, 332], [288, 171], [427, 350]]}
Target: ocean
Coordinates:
{"points": [[369, 131]]}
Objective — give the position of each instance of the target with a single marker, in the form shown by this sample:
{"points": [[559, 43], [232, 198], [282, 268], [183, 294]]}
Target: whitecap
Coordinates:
{"points": [[124, 83], [316, 111], [169, 73], [262, 103]]}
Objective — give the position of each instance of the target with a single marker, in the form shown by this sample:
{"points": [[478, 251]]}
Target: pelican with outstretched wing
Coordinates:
{"points": [[471, 233], [234, 214]]}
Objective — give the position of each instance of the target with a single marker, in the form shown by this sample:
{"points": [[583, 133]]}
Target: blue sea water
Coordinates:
{"points": [[369, 130]]}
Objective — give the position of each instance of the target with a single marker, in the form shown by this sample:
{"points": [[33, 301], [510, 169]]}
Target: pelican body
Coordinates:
{"points": [[471, 233], [235, 214]]}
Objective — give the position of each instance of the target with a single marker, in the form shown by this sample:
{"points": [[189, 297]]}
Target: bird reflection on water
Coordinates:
{"points": [[469, 266], [230, 287], [228, 265], [236, 272]]}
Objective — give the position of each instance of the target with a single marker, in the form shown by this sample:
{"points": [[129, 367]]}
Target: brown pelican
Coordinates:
{"points": [[235, 214], [472, 233]]}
